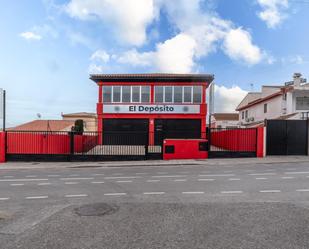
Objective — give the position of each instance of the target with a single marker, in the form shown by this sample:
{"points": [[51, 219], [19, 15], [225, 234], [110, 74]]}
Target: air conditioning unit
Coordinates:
{"points": [[247, 120], [252, 119]]}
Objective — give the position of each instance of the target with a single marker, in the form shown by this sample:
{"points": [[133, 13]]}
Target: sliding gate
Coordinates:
{"points": [[232, 143]]}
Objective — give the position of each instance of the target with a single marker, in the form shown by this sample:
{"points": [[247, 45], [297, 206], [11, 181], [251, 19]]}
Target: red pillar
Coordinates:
{"points": [[260, 142], [100, 113], [2, 147], [151, 131]]}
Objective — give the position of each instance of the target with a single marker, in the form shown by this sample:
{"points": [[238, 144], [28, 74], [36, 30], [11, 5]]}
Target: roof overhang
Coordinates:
{"points": [[156, 77]]}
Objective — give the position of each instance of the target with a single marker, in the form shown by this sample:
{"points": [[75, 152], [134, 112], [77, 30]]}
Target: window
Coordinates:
{"points": [[159, 94], [145, 94], [116, 94], [136, 94], [302, 103], [246, 114], [265, 108], [126, 94], [197, 94], [187, 94], [178, 94], [107, 94], [242, 115], [168, 94]]}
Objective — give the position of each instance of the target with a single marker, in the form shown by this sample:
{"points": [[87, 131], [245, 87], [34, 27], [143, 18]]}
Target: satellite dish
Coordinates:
{"points": [[39, 115]]}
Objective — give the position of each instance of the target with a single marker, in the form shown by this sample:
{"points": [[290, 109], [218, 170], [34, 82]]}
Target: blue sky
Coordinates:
{"points": [[49, 47]]}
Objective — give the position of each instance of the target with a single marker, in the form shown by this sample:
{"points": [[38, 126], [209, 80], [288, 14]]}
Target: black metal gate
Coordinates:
{"points": [[287, 137], [232, 143]]}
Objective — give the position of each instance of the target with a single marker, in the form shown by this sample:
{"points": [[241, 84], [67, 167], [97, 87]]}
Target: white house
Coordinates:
{"points": [[290, 101], [224, 120]]}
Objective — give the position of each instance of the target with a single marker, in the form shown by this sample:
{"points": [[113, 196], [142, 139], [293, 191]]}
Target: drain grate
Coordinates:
{"points": [[96, 209]]}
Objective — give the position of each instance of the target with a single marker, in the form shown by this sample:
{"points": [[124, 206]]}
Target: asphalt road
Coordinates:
{"points": [[227, 206]]}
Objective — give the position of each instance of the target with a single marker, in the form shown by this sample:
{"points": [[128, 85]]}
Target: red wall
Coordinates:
{"points": [[38, 143], [2, 147], [184, 149], [235, 140]]}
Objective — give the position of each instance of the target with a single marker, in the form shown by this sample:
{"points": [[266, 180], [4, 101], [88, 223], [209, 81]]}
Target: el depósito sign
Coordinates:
{"points": [[152, 109]]}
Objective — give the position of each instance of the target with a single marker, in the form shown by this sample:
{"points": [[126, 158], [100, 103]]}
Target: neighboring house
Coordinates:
{"points": [[45, 125], [66, 124], [224, 120], [290, 101], [90, 119]]}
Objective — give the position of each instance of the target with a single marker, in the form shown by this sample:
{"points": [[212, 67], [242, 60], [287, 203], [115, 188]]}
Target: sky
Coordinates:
{"points": [[48, 48]]}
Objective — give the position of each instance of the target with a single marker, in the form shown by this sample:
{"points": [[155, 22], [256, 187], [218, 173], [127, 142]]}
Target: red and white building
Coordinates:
{"points": [[290, 101], [152, 107]]}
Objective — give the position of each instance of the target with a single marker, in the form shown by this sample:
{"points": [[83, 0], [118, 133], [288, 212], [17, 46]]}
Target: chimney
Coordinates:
{"points": [[297, 79]]}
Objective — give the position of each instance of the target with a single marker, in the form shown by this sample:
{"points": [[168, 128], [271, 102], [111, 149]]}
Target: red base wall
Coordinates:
{"points": [[2, 147], [260, 142], [184, 149]]}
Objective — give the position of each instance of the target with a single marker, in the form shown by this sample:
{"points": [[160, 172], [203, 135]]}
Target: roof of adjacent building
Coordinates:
{"points": [[152, 77], [80, 114], [226, 116], [45, 125]]}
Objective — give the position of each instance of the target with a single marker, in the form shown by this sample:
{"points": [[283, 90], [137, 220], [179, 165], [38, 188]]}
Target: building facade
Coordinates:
{"points": [[290, 101], [151, 107], [224, 120]]}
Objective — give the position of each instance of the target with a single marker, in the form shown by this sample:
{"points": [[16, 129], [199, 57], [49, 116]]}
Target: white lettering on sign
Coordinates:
{"points": [[152, 109]]}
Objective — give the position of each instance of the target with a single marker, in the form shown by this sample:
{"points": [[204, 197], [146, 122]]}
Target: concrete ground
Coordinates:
{"points": [[234, 203]]}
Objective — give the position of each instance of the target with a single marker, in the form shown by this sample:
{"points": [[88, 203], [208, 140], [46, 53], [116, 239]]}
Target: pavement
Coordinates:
{"points": [[232, 203]]}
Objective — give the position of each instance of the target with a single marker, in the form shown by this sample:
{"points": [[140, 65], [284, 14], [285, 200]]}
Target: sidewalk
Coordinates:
{"points": [[229, 161]]}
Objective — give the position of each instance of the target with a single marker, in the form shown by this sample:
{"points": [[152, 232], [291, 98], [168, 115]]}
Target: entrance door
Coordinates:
{"points": [[125, 131], [287, 137], [176, 128]]}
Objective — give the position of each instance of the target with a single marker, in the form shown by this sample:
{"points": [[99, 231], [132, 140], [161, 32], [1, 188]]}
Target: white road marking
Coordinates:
{"points": [[270, 191], [53, 175], [154, 193], [72, 179], [74, 175], [4, 198], [117, 174], [122, 177], [71, 183], [206, 180], [216, 175], [152, 180], [115, 194], [287, 177], [162, 172], [232, 192], [97, 182], [180, 180], [270, 170], [44, 183], [261, 178], [8, 176], [17, 184], [98, 174], [262, 174], [123, 181], [22, 180], [194, 193], [31, 176], [72, 196], [234, 179], [295, 173], [37, 197], [302, 190], [169, 176], [141, 173]]}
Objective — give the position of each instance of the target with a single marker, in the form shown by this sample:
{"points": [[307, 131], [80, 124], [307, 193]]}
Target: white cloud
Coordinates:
{"points": [[238, 46], [227, 99], [134, 58], [128, 18], [273, 11], [30, 36], [100, 55], [298, 59], [95, 69]]}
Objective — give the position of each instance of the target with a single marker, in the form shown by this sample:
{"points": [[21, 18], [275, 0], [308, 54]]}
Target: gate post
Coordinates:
{"points": [[71, 144]]}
